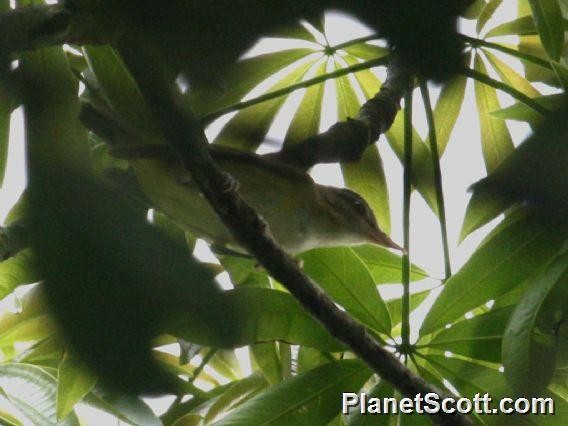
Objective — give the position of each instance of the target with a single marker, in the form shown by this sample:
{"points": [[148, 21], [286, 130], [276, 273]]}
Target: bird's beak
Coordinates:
{"points": [[382, 239]]}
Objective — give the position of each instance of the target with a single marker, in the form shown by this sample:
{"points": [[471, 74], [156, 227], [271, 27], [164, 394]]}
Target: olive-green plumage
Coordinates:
{"points": [[300, 213]]}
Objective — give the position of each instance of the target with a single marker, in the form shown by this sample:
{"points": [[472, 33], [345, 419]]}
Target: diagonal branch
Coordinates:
{"points": [[347, 140], [185, 135]]}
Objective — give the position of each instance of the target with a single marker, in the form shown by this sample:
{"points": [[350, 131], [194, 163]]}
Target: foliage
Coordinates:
{"points": [[123, 289]]}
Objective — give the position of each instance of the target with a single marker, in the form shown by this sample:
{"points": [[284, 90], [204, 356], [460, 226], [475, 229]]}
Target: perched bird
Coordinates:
{"points": [[301, 214]]}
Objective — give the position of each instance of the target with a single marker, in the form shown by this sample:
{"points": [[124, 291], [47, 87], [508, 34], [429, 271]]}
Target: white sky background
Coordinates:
{"points": [[462, 164]]}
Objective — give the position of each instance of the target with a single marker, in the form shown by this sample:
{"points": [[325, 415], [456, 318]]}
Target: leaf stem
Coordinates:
{"points": [[407, 189], [485, 79], [437, 175], [293, 87]]}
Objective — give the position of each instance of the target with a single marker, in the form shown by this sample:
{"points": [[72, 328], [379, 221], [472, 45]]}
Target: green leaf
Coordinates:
{"points": [[266, 356], [127, 408], [496, 141], [501, 263], [447, 110], [306, 120], [342, 274], [366, 176], [561, 71], [486, 14], [531, 340], [32, 391], [422, 174], [278, 317], [482, 208], [470, 378], [395, 305], [381, 390], [248, 128], [309, 398], [240, 79], [18, 270], [120, 89], [74, 381], [510, 76], [474, 9], [520, 26], [32, 323], [366, 51], [549, 23], [531, 45], [521, 112], [245, 272], [235, 394], [478, 337], [385, 266]]}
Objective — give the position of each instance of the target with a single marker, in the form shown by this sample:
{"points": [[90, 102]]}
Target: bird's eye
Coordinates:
{"points": [[359, 206]]}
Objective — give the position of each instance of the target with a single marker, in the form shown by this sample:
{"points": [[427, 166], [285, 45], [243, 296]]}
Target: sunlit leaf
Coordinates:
{"points": [[511, 77], [520, 26], [521, 112], [309, 398], [74, 381], [32, 391], [366, 51], [496, 141], [17, 270], [385, 266], [531, 339], [266, 356], [395, 305], [341, 273], [486, 14], [474, 9], [502, 262], [549, 23]]}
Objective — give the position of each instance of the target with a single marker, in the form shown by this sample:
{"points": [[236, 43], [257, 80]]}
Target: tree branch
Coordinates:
{"points": [[347, 140], [185, 134]]}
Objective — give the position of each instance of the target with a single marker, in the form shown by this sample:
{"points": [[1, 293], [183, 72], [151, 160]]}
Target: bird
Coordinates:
{"points": [[301, 213]]}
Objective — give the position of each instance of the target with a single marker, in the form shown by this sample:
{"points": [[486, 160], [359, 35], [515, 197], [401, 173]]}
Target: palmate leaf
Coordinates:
{"points": [[550, 26], [278, 317], [365, 176], [532, 336], [309, 398], [33, 392], [519, 250], [18, 270], [74, 381], [341, 273], [479, 337], [381, 390], [496, 141], [521, 112], [486, 14], [520, 26]]}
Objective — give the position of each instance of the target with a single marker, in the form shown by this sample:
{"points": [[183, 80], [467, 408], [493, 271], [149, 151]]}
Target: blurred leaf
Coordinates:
{"points": [[478, 337], [278, 317], [385, 266], [343, 276], [482, 208], [518, 251], [309, 398], [531, 45], [17, 270], [366, 51], [537, 172], [486, 14], [245, 272], [447, 110], [521, 112], [5, 113], [496, 141], [189, 420], [531, 339], [474, 9], [74, 381], [120, 89], [110, 293], [32, 391], [310, 359], [32, 323], [549, 23]]}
